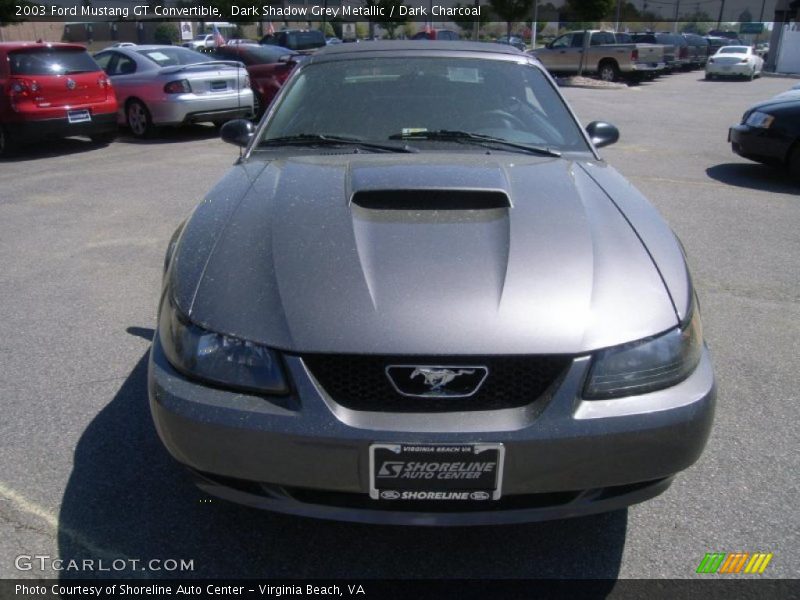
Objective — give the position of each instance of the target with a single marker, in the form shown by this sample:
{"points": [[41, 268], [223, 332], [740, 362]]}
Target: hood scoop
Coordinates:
{"points": [[431, 199]]}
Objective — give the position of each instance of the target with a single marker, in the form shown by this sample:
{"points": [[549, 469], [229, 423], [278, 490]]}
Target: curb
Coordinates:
{"points": [[587, 83], [780, 75]]}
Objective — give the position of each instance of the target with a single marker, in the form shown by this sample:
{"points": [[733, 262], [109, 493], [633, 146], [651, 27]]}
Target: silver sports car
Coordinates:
{"points": [[170, 85], [422, 297]]}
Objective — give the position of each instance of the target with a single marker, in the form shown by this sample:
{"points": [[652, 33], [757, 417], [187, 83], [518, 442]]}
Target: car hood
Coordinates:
{"points": [[788, 98], [414, 254]]}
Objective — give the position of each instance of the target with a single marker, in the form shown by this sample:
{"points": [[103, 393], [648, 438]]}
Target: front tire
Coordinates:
{"points": [[138, 119], [608, 71], [709, 77]]}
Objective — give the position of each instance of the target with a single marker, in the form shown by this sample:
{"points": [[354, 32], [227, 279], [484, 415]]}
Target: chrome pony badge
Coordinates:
{"points": [[71, 85], [423, 381]]}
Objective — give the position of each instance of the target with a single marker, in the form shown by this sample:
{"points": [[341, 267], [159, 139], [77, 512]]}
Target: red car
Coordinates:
{"points": [[53, 90], [267, 66]]}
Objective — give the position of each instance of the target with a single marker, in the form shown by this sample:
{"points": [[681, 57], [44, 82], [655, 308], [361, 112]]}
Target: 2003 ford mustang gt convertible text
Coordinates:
{"points": [[421, 297]]}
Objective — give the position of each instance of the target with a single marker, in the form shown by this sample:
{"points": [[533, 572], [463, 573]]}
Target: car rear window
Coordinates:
{"points": [[305, 40], [173, 56], [51, 61], [733, 50]]}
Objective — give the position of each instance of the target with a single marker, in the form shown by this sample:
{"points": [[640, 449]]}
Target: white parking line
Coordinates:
{"points": [[22, 504]]}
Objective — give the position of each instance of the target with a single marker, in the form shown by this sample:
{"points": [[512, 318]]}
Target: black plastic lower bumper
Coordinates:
{"points": [[33, 130]]}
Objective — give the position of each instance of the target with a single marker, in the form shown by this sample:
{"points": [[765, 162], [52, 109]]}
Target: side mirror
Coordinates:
{"points": [[237, 132], [602, 134]]}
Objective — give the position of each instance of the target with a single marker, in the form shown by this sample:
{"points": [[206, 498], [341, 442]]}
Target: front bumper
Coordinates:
{"points": [[24, 131], [177, 109], [756, 143], [308, 455]]}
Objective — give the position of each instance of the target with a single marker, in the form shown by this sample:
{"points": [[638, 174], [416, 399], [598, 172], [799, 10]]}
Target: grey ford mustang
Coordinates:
{"points": [[421, 297]]}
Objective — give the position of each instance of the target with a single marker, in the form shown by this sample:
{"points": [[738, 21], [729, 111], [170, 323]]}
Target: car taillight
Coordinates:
{"points": [[21, 88], [178, 87], [635, 54], [245, 82], [103, 82], [744, 60]]}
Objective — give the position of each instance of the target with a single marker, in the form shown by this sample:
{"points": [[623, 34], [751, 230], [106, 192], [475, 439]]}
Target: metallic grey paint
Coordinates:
{"points": [[578, 260]]}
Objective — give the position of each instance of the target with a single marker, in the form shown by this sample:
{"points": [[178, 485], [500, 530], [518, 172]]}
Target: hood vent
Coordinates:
{"points": [[431, 199]]}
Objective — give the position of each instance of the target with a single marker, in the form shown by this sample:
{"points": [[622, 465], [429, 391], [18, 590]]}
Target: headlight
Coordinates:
{"points": [[646, 365], [760, 120], [216, 358]]}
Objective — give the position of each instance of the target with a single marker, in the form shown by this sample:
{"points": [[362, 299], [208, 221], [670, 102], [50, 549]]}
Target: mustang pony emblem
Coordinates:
{"points": [[436, 378]]}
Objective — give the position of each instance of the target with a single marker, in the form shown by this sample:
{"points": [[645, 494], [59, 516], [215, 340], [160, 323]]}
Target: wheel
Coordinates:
{"points": [[608, 71], [709, 77], [138, 118], [751, 75], [104, 138], [506, 119]]}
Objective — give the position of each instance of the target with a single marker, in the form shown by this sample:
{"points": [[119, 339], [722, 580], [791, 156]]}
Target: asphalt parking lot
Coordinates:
{"points": [[83, 476]]}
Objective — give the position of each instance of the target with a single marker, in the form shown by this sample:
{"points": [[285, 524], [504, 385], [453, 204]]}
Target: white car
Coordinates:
{"points": [[202, 40], [734, 61], [170, 85]]}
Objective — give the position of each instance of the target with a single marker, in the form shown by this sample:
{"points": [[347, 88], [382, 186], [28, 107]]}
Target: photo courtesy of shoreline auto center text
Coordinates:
{"points": [[397, 299]]}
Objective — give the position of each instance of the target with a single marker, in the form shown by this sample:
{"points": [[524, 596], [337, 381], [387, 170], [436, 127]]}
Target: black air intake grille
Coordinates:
{"points": [[431, 199], [360, 382]]}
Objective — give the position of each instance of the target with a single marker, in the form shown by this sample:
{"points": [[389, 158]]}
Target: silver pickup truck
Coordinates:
{"points": [[607, 57]]}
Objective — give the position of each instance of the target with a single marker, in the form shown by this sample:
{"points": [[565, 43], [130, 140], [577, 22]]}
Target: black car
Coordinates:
{"points": [[716, 42], [299, 40], [770, 132]]}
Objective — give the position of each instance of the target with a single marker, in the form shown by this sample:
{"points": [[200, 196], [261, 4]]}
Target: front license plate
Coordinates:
{"points": [[452, 472], [726, 68], [79, 116]]}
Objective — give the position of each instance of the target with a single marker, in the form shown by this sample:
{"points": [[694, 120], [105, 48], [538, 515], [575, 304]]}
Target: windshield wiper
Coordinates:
{"points": [[477, 138], [311, 139]]}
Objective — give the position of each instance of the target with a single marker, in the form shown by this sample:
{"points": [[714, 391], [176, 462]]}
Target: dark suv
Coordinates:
{"points": [[299, 40], [698, 49], [676, 50]]}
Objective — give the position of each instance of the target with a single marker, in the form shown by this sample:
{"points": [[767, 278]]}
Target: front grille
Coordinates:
{"points": [[360, 382]]}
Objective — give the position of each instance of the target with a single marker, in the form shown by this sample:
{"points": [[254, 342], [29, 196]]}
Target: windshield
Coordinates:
{"points": [[378, 99], [174, 55], [733, 50]]}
